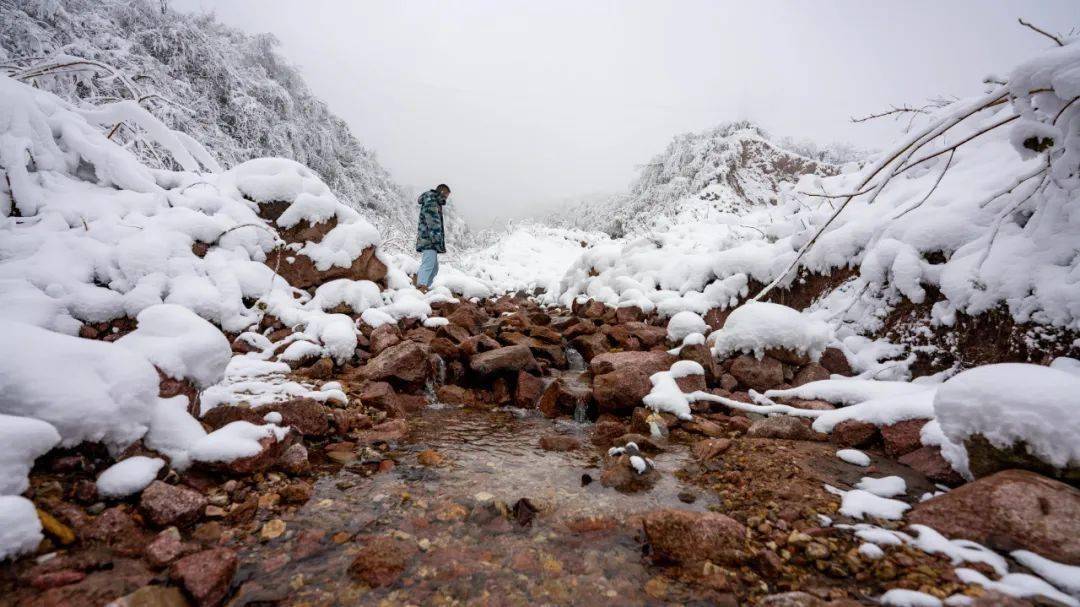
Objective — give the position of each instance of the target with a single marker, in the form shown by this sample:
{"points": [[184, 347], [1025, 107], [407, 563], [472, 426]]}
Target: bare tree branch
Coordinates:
{"points": [[944, 170], [1043, 32], [895, 111], [960, 143]]}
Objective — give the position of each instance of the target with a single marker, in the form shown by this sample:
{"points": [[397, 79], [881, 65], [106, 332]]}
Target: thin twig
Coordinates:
{"points": [[895, 111], [960, 143], [948, 162], [1043, 32]]}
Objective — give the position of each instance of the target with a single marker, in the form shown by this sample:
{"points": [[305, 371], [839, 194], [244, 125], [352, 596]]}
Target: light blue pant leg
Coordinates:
{"points": [[429, 267]]}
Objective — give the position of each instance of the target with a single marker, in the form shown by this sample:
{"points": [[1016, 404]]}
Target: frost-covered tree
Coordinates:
{"points": [[232, 92]]}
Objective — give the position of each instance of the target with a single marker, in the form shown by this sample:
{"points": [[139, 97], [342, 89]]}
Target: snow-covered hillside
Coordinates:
{"points": [[230, 91], [732, 168]]}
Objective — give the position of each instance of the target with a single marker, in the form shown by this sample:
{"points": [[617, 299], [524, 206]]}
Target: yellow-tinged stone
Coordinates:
{"points": [[272, 529], [340, 537], [57, 530]]}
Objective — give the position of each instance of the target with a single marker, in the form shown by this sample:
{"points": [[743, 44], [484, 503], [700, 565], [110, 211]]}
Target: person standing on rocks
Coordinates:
{"points": [[430, 234]]}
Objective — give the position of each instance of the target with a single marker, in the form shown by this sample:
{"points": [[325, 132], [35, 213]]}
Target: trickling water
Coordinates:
{"points": [[575, 359], [581, 413]]}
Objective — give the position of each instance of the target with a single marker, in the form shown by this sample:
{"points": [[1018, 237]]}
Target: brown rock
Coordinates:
{"points": [[381, 560], [117, 529], [685, 537], [468, 316], [456, 395], [783, 427], [791, 599], [1007, 511], [165, 548], [627, 314], [710, 448], [164, 504], [902, 437], [834, 361], [406, 362], [649, 362], [56, 579], [300, 271], [504, 359], [808, 373], [206, 575], [296, 492], [270, 452], [307, 416], [853, 433], [528, 389], [591, 345], [605, 431], [813, 405], [644, 443], [986, 458], [932, 465], [621, 390], [152, 596], [620, 475], [788, 356], [381, 395], [383, 337], [757, 374], [649, 335], [455, 333], [559, 442], [294, 460]]}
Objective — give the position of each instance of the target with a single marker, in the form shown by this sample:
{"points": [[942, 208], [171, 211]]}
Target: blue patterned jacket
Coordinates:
{"points": [[429, 230]]}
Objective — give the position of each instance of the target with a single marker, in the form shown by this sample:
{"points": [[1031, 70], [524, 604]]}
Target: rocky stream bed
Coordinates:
{"points": [[504, 458]]}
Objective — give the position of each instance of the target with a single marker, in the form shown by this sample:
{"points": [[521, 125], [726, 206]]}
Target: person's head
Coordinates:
{"points": [[443, 190]]}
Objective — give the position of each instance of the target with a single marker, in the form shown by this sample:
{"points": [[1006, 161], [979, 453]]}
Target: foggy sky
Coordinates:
{"points": [[515, 104]]}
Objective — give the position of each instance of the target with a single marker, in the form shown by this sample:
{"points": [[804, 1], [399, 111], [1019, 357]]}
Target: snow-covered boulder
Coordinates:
{"points": [[758, 327], [1014, 415], [685, 323], [22, 440], [180, 344], [88, 390], [20, 528], [129, 476]]}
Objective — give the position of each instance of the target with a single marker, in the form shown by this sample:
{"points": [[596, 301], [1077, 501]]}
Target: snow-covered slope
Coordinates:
{"points": [[230, 91], [732, 168]]}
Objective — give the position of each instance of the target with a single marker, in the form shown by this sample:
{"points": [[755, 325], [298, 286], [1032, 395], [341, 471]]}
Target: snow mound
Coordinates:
{"points": [[20, 528], [180, 344], [129, 476], [685, 323], [755, 327], [234, 441], [22, 440], [88, 390], [1013, 402]]}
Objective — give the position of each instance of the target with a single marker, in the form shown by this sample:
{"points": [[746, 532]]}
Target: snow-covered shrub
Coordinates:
{"points": [[756, 327]]}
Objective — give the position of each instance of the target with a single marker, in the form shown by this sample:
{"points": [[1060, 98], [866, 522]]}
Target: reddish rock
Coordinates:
{"points": [[605, 431], [621, 390], [728, 382], [444, 347], [710, 448], [270, 452], [307, 416], [626, 314], [381, 395], [406, 361], [456, 395], [715, 318], [117, 529], [685, 537], [163, 504], [206, 575], [791, 599], [813, 405], [592, 345], [321, 369], [643, 443], [691, 383], [296, 492], [932, 465], [468, 316], [389, 431], [455, 333], [620, 475], [808, 373], [649, 335], [757, 374], [421, 335], [559, 442], [300, 271], [702, 355], [165, 548], [56, 579], [649, 362], [383, 337], [477, 344], [853, 433], [545, 334], [346, 420], [528, 389], [788, 356], [834, 361], [902, 438], [1007, 511], [782, 427], [294, 460], [381, 560], [505, 359]]}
